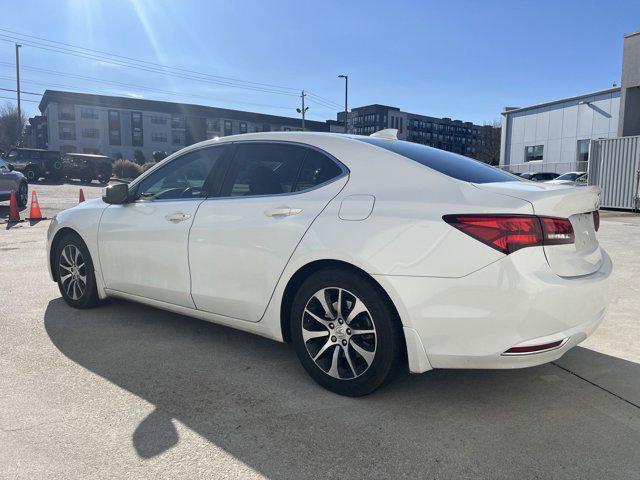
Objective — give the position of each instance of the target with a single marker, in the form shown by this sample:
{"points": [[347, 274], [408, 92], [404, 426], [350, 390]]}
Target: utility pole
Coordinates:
{"points": [[346, 97], [303, 109], [18, 90]]}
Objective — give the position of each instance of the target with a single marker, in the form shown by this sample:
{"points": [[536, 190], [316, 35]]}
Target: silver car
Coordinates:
{"points": [[12, 180]]}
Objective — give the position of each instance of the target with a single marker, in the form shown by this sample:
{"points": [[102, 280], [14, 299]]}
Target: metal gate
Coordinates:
{"points": [[614, 166]]}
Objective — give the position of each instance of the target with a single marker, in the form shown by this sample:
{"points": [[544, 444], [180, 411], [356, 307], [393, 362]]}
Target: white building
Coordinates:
{"points": [[555, 136]]}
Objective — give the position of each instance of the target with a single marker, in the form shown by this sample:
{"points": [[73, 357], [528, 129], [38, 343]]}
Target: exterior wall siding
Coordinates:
{"points": [[558, 127]]}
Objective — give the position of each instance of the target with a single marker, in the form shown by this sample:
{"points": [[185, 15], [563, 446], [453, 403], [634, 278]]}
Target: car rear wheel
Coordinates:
{"points": [[75, 273], [23, 194], [32, 174], [345, 332]]}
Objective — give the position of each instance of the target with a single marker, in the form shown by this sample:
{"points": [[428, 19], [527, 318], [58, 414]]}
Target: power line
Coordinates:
{"points": [[145, 61], [23, 100], [134, 86], [21, 91], [157, 68]]}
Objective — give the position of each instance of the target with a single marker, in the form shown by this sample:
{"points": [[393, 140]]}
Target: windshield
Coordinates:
{"points": [[450, 164]]}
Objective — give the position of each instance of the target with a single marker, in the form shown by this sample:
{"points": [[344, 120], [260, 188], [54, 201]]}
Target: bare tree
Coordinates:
{"points": [[490, 152], [10, 128]]}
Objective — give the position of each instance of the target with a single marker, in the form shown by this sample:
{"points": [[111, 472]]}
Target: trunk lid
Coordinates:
{"points": [[565, 201]]}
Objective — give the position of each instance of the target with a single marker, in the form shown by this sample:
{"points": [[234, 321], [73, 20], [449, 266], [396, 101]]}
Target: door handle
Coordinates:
{"points": [[177, 217], [282, 212]]}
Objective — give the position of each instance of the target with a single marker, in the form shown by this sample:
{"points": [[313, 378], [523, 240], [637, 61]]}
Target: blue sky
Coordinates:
{"points": [[460, 59]]}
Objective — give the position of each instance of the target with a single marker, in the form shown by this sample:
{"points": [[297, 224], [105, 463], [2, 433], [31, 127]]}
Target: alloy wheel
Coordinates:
{"points": [[339, 333], [23, 193], [73, 272]]}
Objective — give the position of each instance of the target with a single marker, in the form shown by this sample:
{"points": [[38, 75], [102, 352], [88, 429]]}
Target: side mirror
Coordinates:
{"points": [[10, 167], [116, 194]]}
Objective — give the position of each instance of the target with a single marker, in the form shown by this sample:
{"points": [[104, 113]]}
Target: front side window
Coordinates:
{"points": [[3, 166], [183, 178], [533, 153], [264, 169]]}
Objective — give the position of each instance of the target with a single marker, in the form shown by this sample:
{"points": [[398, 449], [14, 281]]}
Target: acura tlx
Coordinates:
{"points": [[369, 254]]}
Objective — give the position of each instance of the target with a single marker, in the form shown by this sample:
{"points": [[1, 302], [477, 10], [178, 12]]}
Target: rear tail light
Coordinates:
{"points": [[509, 233], [596, 220]]}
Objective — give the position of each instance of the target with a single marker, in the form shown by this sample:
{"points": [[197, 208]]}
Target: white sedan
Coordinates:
{"points": [[370, 254]]}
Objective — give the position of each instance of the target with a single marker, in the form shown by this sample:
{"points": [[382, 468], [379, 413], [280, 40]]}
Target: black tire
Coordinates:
{"points": [[86, 179], [22, 195], [103, 179], [387, 342], [32, 173], [89, 297]]}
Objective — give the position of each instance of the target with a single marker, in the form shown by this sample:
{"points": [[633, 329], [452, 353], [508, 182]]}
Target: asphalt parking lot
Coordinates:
{"points": [[125, 390]]}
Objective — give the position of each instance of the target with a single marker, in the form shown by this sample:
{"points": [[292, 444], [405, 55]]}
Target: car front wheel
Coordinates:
{"points": [[23, 194], [75, 274], [346, 334]]}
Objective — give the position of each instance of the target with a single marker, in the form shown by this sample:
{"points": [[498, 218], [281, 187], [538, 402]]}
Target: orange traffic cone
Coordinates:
{"points": [[81, 199], [14, 213], [34, 211]]}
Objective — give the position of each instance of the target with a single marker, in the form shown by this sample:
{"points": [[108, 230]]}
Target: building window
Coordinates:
{"points": [[67, 131], [177, 121], [583, 150], [266, 127], [159, 136], [66, 112], [213, 124], [176, 138], [158, 120], [114, 127], [136, 129], [89, 114], [90, 133], [227, 127], [533, 153], [243, 127]]}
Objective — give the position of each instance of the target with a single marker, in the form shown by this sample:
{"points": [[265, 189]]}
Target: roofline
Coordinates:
{"points": [[162, 106], [631, 34], [561, 100]]}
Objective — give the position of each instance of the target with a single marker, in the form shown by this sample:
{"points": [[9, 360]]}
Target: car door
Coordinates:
{"points": [[241, 241], [143, 245]]}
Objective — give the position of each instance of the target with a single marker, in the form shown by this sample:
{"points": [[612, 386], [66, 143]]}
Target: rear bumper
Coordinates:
{"points": [[469, 322]]}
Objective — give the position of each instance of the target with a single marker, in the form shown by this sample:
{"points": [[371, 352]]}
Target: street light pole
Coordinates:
{"points": [[346, 96], [18, 89]]}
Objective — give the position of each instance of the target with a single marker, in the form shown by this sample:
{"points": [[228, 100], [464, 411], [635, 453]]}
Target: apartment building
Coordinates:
{"points": [[456, 136], [118, 126]]}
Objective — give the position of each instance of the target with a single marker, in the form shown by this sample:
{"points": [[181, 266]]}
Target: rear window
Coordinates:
{"points": [[451, 164]]}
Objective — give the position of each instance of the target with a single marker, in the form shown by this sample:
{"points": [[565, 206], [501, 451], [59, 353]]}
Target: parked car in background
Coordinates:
{"points": [[570, 178], [10, 180], [36, 163], [539, 176], [87, 167]]}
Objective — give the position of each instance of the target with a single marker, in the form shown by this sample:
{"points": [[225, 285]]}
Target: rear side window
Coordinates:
{"points": [[317, 168], [450, 164]]}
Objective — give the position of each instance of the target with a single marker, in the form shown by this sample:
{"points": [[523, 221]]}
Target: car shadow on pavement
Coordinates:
{"points": [[249, 396]]}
